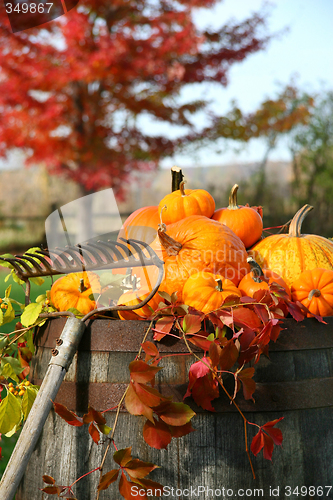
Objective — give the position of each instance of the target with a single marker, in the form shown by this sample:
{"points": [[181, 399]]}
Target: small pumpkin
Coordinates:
{"points": [[244, 221], [290, 254], [183, 203], [192, 245], [254, 281], [314, 289], [206, 292], [74, 290], [133, 299]]}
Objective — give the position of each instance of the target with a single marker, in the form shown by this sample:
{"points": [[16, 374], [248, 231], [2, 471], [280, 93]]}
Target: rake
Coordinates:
{"points": [[88, 257]]}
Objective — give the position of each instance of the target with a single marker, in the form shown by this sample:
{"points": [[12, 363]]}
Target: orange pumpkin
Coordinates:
{"points": [[253, 281], [73, 291], [206, 292], [192, 245], [290, 254], [184, 203], [314, 289], [133, 299], [141, 225], [244, 221]]}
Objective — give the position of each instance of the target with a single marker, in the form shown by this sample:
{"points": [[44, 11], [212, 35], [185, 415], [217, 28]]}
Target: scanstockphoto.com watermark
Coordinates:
{"points": [[25, 14], [227, 493]]}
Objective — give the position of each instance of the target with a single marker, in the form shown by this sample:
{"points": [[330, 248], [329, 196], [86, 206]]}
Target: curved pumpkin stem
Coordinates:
{"points": [[176, 178], [181, 188], [219, 285], [256, 270], [170, 245], [296, 223], [233, 198], [82, 288], [314, 293]]}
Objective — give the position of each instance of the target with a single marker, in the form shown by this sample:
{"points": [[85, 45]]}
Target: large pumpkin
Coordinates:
{"points": [[314, 289], [133, 299], [73, 291], [244, 221], [184, 203], [197, 244], [206, 292], [290, 254]]}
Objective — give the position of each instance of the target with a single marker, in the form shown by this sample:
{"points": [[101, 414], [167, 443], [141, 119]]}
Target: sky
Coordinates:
{"points": [[303, 52]]}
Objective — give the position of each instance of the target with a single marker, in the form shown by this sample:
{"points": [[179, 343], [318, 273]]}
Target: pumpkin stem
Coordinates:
{"points": [[176, 178], [219, 285], [181, 188], [314, 293], [233, 198], [82, 288], [256, 270], [296, 223], [171, 246]]}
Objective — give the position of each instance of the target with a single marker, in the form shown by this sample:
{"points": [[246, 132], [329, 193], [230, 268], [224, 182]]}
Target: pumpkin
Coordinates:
{"points": [[141, 225], [244, 221], [192, 245], [183, 203], [133, 299], [290, 254], [314, 289], [206, 292], [73, 291], [254, 281]]}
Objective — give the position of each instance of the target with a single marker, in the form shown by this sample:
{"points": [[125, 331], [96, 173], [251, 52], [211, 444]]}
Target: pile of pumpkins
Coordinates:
{"points": [[210, 255]]}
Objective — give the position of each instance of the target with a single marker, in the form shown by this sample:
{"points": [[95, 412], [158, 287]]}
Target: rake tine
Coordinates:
{"points": [[35, 264], [22, 263], [15, 265], [148, 259], [86, 249], [59, 252], [100, 256], [73, 254], [43, 261], [111, 246]]}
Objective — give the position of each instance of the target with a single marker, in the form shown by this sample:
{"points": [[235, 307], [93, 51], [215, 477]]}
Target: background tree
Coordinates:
{"points": [[73, 91], [312, 151]]}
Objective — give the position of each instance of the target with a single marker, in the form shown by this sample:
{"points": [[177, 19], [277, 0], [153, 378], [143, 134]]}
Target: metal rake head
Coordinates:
{"points": [[88, 257]]}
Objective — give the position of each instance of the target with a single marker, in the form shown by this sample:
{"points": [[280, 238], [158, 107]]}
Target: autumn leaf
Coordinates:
{"points": [[142, 372], [137, 469], [93, 431], [123, 456], [275, 433], [249, 385], [175, 413], [157, 434], [163, 326], [134, 404], [191, 323], [228, 356], [266, 440], [48, 479], [107, 479], [93, 416], [125, 489], [70, 417], [181, 430], [150, 349]]}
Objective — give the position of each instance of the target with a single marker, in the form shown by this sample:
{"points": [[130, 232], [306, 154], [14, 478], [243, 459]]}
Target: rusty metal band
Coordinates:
{"points": [[126, 336], [279, 396]]}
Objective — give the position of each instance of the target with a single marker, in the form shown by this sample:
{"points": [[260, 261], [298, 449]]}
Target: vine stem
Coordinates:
{"points": [[219, 379], [118, 412]]}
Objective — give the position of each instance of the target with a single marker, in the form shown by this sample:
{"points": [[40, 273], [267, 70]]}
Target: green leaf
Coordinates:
{"points": [[9, 314], [14, 363], [31, 313], [30, 340], [7, 292], [8, 372], [108, 278], [76, 312], [211, 337], [3, 341], [41, 298], [10, 413], [28, 400], [1, 317], [105, 429], [37, 280]]}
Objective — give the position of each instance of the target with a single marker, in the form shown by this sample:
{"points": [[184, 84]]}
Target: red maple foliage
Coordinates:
{"points": [[73, 91]]}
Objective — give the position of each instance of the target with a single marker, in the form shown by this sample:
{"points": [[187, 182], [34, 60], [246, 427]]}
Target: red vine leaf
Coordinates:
{"points": [[125, 489], [94, 416], [150, 349], [70, 417], [93, 431], [200, 341], [137, 469], [228, 355], [157, 434], [265, 440], [175, 413], [181, 430], [52, 490], [275, 434], [48, 479], [249, 385], [214, 353], [107, 479], [152, 487], [191, 323], [142, 372], [163, 326], [123, 456], [134, 404]]}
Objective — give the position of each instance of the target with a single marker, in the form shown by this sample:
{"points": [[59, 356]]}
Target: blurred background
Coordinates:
{"points": [[113, 96]]}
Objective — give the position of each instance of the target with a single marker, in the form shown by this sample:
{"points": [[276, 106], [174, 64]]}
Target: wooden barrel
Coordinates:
{"points": [[295, 382]]}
